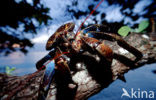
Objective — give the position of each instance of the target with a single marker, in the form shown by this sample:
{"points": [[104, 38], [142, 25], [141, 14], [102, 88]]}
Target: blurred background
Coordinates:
{"points": [[25, 26]]}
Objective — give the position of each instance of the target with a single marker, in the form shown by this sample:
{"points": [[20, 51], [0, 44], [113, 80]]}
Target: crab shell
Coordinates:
{"points": [[62, 30]]}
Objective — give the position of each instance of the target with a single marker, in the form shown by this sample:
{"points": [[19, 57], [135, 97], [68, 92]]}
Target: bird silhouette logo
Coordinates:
{"points": [[125, 93]]}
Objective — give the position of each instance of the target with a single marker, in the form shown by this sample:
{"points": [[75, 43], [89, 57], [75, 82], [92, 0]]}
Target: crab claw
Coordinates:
{"points": [[62, 30]]}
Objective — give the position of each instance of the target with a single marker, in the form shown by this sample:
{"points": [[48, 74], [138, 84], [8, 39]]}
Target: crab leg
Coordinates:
{"points": [[99, 47], [121, 42], [41, 62], [57, 66], [95, 27], [48, 75]]}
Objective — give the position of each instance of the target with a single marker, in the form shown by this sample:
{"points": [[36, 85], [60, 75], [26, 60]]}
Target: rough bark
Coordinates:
{"points": [[90, 76]]}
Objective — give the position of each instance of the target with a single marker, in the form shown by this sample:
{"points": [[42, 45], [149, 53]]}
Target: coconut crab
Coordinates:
{"points": [[64, 43]]}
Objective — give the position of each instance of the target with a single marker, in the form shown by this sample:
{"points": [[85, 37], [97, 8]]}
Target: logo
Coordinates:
{"points": [[137, 93]]}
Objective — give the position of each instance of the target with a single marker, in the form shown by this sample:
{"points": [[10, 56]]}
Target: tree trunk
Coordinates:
{"points": [[91, 76]]}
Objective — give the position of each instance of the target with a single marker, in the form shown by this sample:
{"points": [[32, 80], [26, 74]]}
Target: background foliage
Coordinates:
{"points": [[19, 17]]}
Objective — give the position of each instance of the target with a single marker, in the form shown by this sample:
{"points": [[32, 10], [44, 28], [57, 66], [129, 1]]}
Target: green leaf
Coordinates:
{"points": [[12, 69], [9, 70], [143, 25], [124, 30]]}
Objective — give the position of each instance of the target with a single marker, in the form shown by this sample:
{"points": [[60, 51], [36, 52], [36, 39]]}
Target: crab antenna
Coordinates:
{"points": [[77, 33]]}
